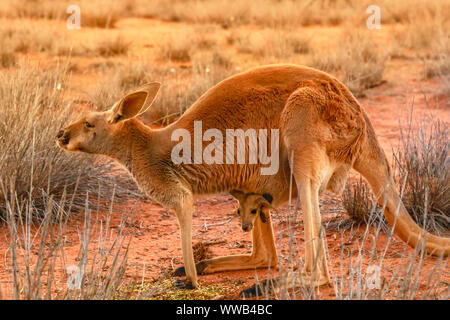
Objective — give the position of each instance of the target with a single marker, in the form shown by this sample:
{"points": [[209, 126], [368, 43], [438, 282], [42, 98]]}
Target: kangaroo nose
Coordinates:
{"points": [[247, 227], [60, 134]]}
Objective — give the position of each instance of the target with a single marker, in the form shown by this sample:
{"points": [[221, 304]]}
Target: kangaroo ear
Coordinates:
{"points": [[268, 197], [262, 216], [135, 103], [265, 200], [238, 195]]}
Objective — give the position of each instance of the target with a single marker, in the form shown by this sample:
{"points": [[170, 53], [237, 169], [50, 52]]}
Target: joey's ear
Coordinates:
{"points": [[135, 103], [268, 197], [265, 200], [262, 216], [238, 195]]}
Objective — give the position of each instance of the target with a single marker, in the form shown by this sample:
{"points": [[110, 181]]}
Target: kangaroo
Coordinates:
{"points": [[324, 132], [251, 207]]}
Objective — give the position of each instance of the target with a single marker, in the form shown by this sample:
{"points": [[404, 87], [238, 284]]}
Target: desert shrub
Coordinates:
{"points": [[107, 17], [24, 39], [359, 203], [111, 47], [181, 46], [282, 13], [439, 67], [439, 64], [423, 165], [423, 31], [30, 9], [32, 167], [7, 57], [176, 47], [271, 43], [175, 95], [120, 78], [221, 59], [357, 61], [96, 273], [268, 13], [91, 16]]}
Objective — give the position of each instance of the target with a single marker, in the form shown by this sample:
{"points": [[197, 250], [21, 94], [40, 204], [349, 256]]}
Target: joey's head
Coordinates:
{"points": [[95, 132], [251, 207]]}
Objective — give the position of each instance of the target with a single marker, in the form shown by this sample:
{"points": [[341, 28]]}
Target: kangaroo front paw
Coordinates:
{"points": [[181, 271], [183, 284]]}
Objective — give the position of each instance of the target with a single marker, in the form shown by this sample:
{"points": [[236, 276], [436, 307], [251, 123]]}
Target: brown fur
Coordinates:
{"points": [[321, 125]]}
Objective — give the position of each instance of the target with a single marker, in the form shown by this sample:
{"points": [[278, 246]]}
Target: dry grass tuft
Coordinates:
{"points": [[268, 13], [359, 203], [119, 80], [201, 251], [271, 43], [439, 67], [357, 61], [163, 289], [177, 47], [180, 47], [36, 252], [365, 265], [100, 13], [439, 64], [91, 16], [175, 95], [423, 164], [25, 38], [282, 13], [423, 32], [30, 9], [111, 47], [32, 167]]}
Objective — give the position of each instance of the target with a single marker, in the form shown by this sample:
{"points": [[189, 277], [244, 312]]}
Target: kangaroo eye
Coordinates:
{"points": [[88, 125], [239, 211], [253, 211]]}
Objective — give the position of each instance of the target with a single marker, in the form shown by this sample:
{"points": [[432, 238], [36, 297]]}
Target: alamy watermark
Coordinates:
{"points": [[74, 19], [74, 277], [373, 277], [251, 147], [374, 20]]}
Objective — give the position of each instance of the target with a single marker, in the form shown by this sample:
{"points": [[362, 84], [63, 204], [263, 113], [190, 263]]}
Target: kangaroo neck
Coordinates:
{"points": [[131, 139]]}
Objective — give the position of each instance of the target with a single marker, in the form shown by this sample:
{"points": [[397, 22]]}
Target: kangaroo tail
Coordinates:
{"points": [[372, 164]]}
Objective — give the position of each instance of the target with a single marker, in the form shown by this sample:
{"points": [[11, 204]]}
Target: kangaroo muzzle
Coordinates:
{"points": [[247, 226]]}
